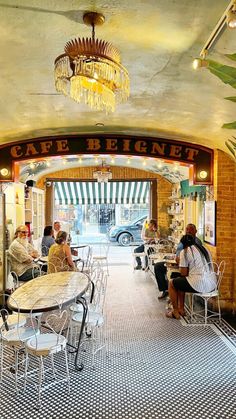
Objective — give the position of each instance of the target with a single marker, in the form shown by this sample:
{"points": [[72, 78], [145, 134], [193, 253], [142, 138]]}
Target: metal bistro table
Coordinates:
{"points": [[64, 287]]}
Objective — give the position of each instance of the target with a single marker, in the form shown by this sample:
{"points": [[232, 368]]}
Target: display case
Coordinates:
{"points": [[177, 211], [34, 211]]}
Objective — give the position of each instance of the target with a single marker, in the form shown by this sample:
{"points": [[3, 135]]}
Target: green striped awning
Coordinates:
{"points": [[74, 193]]}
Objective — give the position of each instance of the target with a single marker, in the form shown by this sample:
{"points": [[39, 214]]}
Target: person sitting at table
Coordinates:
{"points": [[195, 275], [22, 254], [149, 235], [59, 256], [56, 228], [47, 240], [160, 267]]}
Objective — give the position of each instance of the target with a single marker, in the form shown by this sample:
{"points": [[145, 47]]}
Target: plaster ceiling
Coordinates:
{"points": [[158, 41]]}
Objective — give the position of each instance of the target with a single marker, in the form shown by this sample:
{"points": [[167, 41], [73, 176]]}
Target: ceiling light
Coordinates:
{"points": [[102, 173], [128, 160], [4, 172], [200, 62], [90, 70], [231, 17], [227, 19]]}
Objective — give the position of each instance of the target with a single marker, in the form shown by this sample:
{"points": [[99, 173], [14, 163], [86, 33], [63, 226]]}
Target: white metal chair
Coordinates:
{"points": [[14, 333], [216, 271], [95, 318], [102, 256], [45, 344]]}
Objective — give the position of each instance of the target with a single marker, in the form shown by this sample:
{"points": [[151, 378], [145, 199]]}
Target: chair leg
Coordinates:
{"points": [[40, 380], [53, 367], [67, 371], [1, 365], [192, 304], [219, 309], [26, 370], [205, 305], [16, 370]]}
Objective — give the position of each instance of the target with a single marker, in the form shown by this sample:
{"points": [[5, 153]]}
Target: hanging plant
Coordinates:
{"points": [[227, 75]]}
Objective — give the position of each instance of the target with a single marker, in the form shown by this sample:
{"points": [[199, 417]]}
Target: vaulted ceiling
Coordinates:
{"points": [[158, 41]]}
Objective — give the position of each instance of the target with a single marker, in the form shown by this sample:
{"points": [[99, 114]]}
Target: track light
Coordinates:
{"points": [[200, 62], [231, 17]]}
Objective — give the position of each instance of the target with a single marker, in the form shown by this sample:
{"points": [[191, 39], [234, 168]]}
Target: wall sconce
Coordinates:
{"points": [[128, 160], [4, 172], [231, 17], [203, 174]]}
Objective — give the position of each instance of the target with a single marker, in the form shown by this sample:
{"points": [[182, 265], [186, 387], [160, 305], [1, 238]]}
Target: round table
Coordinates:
{"points": [[59, 287], [48, 292]]}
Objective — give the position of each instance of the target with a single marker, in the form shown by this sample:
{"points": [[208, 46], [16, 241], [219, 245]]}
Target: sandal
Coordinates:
{"points": [[172, 315]]}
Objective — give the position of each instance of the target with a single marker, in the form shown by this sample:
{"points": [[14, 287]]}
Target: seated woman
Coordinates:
{"points": [[59, 256], [149, 235], [194, 266], [47, 240]]}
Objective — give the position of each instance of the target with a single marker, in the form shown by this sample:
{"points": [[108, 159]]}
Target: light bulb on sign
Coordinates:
{"points": [[4, 172]]}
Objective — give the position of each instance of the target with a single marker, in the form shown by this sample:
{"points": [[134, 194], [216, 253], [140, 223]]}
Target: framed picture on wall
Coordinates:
{"points": [[209, 235]]}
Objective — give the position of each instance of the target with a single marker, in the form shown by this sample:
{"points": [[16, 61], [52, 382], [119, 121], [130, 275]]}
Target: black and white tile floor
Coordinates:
{"points": [[153, 367]]}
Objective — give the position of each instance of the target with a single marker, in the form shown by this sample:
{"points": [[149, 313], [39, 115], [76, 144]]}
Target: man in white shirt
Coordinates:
{"points": [[22, 254], [56, 228]]}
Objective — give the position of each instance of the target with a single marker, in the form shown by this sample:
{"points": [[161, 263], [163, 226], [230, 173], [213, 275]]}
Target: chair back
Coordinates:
{"points": [[165, 246], [55, 322], [220, 272], [15, 280], [9, 321]]}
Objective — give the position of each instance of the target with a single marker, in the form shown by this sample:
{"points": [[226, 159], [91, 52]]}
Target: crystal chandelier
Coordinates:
{"points": [[102, 174], [90, 70]]}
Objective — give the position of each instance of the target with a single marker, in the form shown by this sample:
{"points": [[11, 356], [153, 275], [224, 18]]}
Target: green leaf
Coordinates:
{"points": [[225, 73], [232, 98], [230, 148], [231, 56], [233, 143], [230, 125]]}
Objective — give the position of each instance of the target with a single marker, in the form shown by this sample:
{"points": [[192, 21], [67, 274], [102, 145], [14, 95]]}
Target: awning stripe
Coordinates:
{"points": [[80, 193]]}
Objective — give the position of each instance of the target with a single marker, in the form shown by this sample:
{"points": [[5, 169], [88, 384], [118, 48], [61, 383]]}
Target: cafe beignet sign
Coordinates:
{"points": [[200, 157]]}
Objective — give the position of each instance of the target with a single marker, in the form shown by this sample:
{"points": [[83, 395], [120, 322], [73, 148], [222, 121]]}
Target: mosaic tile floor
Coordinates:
{"points": [[153, 367]]}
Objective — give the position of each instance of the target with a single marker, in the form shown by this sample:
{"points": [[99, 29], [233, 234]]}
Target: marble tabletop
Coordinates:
{"points": [[52, 290]]}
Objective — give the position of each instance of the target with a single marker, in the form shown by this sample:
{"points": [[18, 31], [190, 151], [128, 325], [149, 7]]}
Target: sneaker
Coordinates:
{"points": [[163, 295], [138, 267]]}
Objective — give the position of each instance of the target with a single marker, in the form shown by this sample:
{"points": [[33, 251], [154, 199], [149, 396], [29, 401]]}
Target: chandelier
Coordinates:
{"points": [[90, 70], [102, 174]]}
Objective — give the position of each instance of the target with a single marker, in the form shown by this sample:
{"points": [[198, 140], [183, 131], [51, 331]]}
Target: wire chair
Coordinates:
{"points": [[47, 343], [214, 272], [14, 333]]}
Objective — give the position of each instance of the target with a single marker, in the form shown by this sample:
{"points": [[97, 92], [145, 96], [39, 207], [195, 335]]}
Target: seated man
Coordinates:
{"points": [[22, 255], [161, 270], [149, 234], [56, 228]]}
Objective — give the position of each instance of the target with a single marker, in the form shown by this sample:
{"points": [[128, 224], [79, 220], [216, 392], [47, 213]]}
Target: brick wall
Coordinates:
{"points": [[224, 194]]}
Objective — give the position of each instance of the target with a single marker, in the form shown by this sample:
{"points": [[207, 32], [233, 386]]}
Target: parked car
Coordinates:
{"points": [[126, 234]]}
